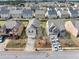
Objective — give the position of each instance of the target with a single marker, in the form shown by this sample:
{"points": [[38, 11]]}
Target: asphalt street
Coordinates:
{"points": [[40, 55]]}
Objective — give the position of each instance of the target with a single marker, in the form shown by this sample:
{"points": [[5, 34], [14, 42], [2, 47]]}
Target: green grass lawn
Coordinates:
{"points": [[2, 23], [43, 28]]}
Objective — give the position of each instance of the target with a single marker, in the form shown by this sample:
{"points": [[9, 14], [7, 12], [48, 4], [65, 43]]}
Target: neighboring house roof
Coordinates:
{"points": [[64, 11], [11, 8], [15, 11], [39, 11], [27, 12], [19, 8], [4, 7], [76, 23], [4, 10], [74, 12], [52, 11], [33, 23], [58, 10], [10, 24]]}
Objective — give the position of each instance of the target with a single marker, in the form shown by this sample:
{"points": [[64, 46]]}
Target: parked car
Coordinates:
{"points": [[2, 39]]}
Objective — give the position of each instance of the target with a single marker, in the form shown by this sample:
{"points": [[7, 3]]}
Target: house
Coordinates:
{"points": [[53, 31], [51, 13], [14, 28], [63, 12], [73, 12], [77, 9], [4, 13], [0, 8], [72, 27], [16, 13], [39, 13], [58, 10], [27, 13], [11, 8], [56, 27], [32, 28]]}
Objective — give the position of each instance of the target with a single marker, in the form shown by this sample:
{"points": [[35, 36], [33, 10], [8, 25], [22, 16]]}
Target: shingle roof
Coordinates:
{"points": [[33, 22], [64, 10], [52, 11], [59, 24], [10, 24], [40, 11], [4, 10], [15, 11], [76, 23], [27, 11], [73, 11]]}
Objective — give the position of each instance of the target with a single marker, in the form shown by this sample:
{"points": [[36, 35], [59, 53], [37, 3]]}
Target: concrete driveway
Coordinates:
{"points": [[30, 44]]}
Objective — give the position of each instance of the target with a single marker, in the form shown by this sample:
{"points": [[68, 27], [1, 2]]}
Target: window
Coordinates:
{"points": [[30, 31]]}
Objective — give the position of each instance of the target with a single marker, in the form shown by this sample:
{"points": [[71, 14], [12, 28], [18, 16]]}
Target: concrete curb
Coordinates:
{"points": [[70, 48]]}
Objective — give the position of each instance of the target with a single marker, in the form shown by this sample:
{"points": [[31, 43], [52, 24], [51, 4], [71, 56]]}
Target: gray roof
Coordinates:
{"points": [[27, 11], [59, 9], [4, 10], [40, 11], [52, 11], [76, 23], [11, 24], [64, 11], [19, 8], [33, 23], [15, 11], [75, 11], [59, 24], [4, 7]]}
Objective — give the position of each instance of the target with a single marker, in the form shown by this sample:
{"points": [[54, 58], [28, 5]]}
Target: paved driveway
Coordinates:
{"points": [[30, 44]]}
